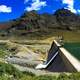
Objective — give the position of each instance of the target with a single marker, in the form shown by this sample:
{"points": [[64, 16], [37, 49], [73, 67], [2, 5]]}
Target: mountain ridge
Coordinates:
{"points": [[61, 19]]}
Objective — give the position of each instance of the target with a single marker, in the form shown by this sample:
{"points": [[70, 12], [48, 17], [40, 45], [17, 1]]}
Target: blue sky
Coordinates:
{"points": [[12, 9]]}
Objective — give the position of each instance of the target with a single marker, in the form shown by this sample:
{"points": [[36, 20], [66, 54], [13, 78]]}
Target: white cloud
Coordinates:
{"points": [[78, 10], [5, 9], [36, 5], [70, 4]]}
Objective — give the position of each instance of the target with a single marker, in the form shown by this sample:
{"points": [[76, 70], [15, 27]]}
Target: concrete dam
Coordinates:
{"points": [[60, 60]]}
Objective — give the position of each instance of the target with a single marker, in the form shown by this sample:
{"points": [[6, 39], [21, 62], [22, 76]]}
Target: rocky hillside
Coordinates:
{"points": [[67, 19], [62, 19]]}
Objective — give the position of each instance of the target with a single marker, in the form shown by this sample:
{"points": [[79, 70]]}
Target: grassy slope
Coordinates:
{"points": [[69, 36], [3, 50], [8, 72], [39, 39]]}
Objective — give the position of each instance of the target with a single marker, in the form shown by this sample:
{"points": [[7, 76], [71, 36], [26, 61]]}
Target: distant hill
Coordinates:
{"points": [[6, 25], [62, 19]]}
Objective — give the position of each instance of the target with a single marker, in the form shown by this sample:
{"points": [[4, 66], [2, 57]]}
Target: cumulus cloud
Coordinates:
{"points": [[5, 9], [70, 4], [36, 5]]}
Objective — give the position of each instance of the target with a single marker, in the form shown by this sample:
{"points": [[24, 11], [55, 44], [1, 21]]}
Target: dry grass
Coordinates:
{"points": [[41, 41]]}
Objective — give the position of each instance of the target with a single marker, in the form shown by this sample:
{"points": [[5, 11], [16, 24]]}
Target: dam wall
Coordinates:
{"points": [[71, 63], [60, 60]]}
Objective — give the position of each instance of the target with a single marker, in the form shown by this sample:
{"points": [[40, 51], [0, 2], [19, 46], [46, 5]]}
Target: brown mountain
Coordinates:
{"points": [[67, 19], [62, 19]]}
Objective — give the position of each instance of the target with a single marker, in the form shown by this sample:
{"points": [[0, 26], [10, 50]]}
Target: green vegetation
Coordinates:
{"points": [[74, 49], [8, 72], [73, 76], [3, 50]]}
